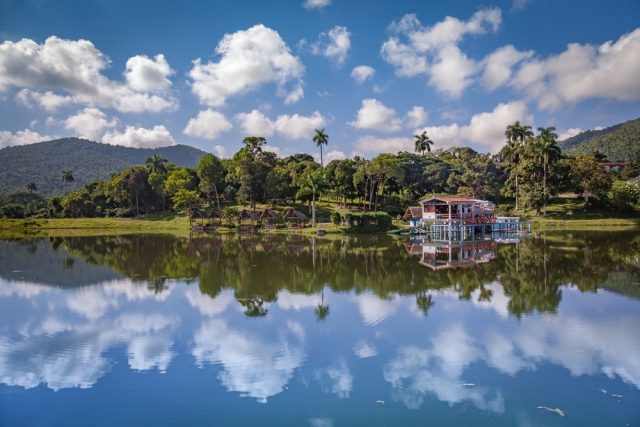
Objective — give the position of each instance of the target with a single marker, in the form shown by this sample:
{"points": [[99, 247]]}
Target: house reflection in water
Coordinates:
{"points": [[445, 255]]}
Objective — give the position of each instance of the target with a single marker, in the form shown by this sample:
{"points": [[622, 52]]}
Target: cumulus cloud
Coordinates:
{"points": [[290, 126], [158, 136], [89, 123], [412, 48], [364, 350], [374, 115], [372, 144], [333, 155], [497, 65], [362, 73], [148, 75], [73, 67], [334, 45], [484, 130], [208, 124], [48, 100], [21, 137], [583, 71], [316, 4], [248, 59], [566, 134], [417, 116]]}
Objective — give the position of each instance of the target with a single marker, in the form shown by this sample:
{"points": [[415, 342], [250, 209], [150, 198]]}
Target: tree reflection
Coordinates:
{"points": [[531, 273]]}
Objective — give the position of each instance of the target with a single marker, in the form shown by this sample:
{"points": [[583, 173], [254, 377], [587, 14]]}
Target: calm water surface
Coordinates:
{"points": [[291, 331]]}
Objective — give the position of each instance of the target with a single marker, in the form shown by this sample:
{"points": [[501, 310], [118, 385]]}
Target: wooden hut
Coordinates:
{"points": [[250, 216], [201, 221], [270, 217], [295, 218]]}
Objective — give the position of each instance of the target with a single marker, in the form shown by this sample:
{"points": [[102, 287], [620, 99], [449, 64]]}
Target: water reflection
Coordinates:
{"points": [[353, 319]]}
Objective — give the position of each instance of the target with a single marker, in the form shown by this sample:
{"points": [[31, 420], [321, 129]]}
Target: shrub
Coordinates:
{"points": [[336, 218], [12, 210], [368, 221]]}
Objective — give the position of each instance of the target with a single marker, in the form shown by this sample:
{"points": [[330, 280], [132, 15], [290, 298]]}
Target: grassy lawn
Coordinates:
{"points": [[572, 214]]}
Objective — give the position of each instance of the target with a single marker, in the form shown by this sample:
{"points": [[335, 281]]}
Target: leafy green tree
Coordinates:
{"points": [[211, 173], [180, 179], [320, 138], [423, 143], [314, 182], [185, 199], [589, 178]]}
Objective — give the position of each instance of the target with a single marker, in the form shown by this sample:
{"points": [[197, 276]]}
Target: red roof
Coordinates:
{"points": [[451, 199]]}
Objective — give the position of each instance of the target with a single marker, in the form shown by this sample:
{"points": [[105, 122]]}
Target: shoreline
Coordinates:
{"points": [[180, 226]]}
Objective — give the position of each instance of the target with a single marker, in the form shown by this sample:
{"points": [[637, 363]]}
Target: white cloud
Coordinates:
{"points": [[250, 364], [74, 67], [220, 151], [373, 309], [519, 4], [484, 130], [336, 379], [89, 123], [334, 45], [208, 124], [148, 75], [452, 70], [49, 101], [333, 155], [497, 65], [374, 115], [316, 4], [364, 350], [158, 136], [362, 73], [248, 59], [290, 126], [373, 145], [566, 134], [584, 71], [21, 137], [417, 116]]}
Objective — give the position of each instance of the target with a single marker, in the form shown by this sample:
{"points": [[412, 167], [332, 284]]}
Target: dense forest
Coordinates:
{"points": [[42, 162], [619, 143], [525, 175]]}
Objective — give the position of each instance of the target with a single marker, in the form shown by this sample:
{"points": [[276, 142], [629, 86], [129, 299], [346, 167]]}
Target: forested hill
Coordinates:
{"points": [[620, 143], [42, 163]]}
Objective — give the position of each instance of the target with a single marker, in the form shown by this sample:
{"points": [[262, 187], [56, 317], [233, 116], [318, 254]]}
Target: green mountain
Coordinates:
{"points": [[42, 163], [620, 143]]}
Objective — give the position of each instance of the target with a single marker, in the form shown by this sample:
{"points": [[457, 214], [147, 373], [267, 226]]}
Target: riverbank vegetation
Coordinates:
{"points": [[524, 178]]}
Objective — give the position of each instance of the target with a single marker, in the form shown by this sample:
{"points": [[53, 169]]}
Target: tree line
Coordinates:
{"points": [[526, 174]]}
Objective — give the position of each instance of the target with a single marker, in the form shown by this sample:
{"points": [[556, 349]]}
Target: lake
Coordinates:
{"points": [[229, 330]]}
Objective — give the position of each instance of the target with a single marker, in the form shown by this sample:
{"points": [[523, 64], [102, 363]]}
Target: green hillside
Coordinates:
{"points": [[620, 143], [42, 163]]}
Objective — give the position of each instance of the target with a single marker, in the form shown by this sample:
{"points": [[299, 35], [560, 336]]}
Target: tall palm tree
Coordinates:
{"points": [[157, 164], [423, 143], [31, 187], [549, 150], [516, 135], [67, 177], [322, 310], [320, 138]]}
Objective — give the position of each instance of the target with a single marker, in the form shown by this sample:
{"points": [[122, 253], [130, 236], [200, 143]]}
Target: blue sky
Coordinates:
{"points": [[371, 72]]}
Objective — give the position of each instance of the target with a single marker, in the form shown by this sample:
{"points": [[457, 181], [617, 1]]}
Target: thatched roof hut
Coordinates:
{"points": [[294, 216], [270, 215], [201, 218], [250, 215]]}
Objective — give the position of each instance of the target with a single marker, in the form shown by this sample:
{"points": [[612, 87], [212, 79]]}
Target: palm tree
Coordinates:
{"points": [[31, 187], [516, 135], [157, 164], [549, 150], [320, 138], [67, 177], [322, 310], [423, 143]]}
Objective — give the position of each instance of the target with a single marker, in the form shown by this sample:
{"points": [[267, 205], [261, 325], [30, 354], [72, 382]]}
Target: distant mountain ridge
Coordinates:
{"points": [[620, 143], [43, 162]]}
